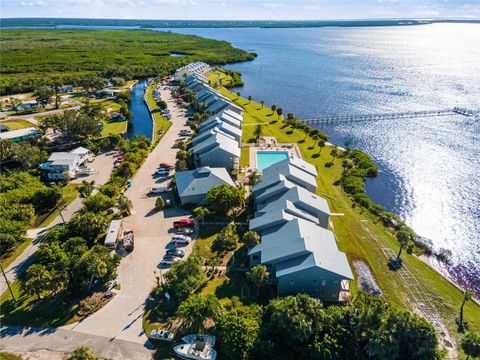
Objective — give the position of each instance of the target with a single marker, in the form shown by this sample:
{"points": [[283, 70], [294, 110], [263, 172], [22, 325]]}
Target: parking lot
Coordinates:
{"points": [[122, 317]]}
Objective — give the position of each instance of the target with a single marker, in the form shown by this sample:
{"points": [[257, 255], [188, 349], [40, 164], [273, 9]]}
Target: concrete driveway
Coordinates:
{"points": [[121, 318]]}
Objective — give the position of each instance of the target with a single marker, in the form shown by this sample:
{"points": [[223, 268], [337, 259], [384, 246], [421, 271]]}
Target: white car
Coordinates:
{"points": [[169, 261], [158, 189], [184, 231], [162, 171]]}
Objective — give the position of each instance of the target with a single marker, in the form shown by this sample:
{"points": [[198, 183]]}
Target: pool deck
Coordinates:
{"points": [[291, 149]]}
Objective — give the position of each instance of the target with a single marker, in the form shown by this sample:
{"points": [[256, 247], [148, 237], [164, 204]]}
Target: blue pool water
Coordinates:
{"points": [[267, 158]]}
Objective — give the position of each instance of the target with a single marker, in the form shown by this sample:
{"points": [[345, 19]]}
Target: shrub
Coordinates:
{"points": [[159, 203]]}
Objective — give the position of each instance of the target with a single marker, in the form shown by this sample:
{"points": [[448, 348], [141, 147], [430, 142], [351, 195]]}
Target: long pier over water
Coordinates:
{"points": [[390, 116]]}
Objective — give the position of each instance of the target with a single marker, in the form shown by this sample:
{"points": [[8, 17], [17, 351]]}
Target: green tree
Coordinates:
{"points": [[262, 103], [471, 345], [403, 237], [86, 188], [273, 107], [347, 166], [159, 203], [467, 295], [250, 99], [88, 226], [237, 331], [46, 199], [43, 95], [224, 198], [82, 353], [226, 240], [38, 280], [200, 212], [183, 278], [27, 155], [75, 124], [238, 95], [250, 239], [15, 104], [196, 309], [124, 204], [321, 145], [98, 203], [334, 153], [258, 276], [279, 112]]}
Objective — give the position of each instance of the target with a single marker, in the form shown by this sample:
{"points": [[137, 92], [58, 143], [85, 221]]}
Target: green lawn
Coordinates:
{"points": [[69, 193], [14, 253], [161, 124], [360, 234], [47, 312], [245, 156], [17, 124]]}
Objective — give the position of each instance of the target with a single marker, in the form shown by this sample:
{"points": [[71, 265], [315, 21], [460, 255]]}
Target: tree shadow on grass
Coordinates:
{"points": [[301, 141], [315, 156]]}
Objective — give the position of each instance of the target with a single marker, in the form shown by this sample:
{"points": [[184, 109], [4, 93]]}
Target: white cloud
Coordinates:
{"points": [[272, 5]]}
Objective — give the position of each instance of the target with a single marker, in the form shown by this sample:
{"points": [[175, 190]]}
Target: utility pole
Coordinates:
{"points": [[8, 285]]}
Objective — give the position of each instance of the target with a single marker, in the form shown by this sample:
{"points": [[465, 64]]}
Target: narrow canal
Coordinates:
{"points": [[142, 122]]}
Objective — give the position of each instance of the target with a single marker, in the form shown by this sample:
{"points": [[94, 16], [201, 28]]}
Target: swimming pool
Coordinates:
{"points": [[267, 158]]}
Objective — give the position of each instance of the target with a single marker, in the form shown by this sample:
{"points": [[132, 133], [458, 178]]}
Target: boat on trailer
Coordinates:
{"points": [[199, 348]]}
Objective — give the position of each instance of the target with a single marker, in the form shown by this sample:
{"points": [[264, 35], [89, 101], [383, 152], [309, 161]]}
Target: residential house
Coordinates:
{"points": [[303, 258], [198, 67], [301, 200], [64, 165], [218, 150], [19, 135], [224, 116], [108, 93], [217, 126], [293, 169], [193, 185]]}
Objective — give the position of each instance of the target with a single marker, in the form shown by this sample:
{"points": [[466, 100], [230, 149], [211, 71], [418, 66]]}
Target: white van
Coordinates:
{"points": [[162, 171]]}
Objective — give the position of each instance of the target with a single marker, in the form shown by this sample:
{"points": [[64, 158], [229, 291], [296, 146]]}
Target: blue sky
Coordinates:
{"points": [[241, 9]]}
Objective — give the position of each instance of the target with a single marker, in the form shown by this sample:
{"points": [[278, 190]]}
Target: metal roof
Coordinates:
{"points": [[18, 133], [301, 238], [199, 181]]}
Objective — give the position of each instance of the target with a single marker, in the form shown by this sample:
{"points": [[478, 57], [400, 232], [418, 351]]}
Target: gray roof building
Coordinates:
{"points": [[303, 257], [217, 126], [303, 201], [193, 185], [293, 169], [218, 150]]}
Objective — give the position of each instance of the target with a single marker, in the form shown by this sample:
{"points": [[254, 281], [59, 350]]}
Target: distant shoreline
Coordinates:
{"points": [[147, 24]]}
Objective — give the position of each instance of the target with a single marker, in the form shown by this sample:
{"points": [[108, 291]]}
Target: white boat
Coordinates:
{"points": [[209, 339], [159, 334], [198, 350]]}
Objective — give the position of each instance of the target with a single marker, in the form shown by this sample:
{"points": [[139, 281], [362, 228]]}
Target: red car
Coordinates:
{"points": [[184, 223], [165, 166]]}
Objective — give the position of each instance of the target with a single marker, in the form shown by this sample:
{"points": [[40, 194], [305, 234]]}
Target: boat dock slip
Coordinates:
{"points": [[391, 116]]}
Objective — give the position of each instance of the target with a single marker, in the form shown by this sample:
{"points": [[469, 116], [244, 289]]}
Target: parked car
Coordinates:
{"points": [[178, 237], [168, 260], [158, 189], [185, 132], [176, 253], [165, 165], [162, 171], [184, 223], [184, 231]]}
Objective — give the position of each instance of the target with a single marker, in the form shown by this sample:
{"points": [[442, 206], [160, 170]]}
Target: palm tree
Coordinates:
{"points": [[273, 107], [200, 212], [124, 204], [279, 112], [238, 95], [315, 138], [334, 153], [321, 145], [86, 188], [347, 166], [403, 236], [97, 268], [258, 275], [471, 345], [196, 309], [250, 99], [467, 295], [262, 103]]}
